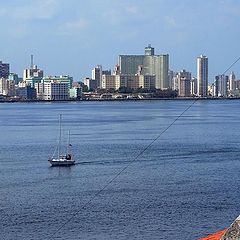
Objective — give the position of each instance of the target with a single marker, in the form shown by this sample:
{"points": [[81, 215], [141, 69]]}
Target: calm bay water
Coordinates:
{"points": [[184, 186]]}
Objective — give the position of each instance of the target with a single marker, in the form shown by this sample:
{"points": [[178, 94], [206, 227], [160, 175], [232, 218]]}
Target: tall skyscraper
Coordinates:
{"points": [[97, 75], [232, 81], [157, 65], [194, 86], [220, 86], [202, 76], [4, 70]]}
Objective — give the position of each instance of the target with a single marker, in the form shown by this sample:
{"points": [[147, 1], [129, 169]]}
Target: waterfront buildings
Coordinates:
{"points": [[152, 64], [96, 81], [109, 82], [171, 76], [184, 83], [7, 87], [59, 79], [202, 76], [4, 70], [220, 86], [90, 83], [128, 81], [51, 87], [33, 80], [34, 71], [14, 77], [106, 72], [52, 90], [26, 93], [194, 86], [134, 73], [97, 75], [75, 93], [232, 82], [147, 81]]}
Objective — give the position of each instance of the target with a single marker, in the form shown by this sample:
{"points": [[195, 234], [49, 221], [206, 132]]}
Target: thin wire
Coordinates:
{"points": [[231, 65], [133, 160], [122, 170]]}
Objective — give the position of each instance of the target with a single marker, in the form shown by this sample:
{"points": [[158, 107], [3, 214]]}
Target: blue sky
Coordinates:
{"points": [[71, 37]]}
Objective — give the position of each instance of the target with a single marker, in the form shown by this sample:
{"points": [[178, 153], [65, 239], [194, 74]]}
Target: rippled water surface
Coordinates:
{"points": [[185, 186]]}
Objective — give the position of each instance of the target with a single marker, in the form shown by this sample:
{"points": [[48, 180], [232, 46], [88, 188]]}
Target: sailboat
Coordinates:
{"points": [[62, 159]]}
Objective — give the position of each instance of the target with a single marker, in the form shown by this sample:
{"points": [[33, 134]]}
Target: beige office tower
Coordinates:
{"points": [[202, 76], [157, 65]]}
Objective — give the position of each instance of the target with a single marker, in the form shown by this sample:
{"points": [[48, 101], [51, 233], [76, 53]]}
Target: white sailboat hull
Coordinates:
{"points": [[61, 162], [62, 159]]}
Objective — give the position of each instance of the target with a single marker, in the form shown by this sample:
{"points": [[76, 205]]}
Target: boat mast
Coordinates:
{"points": [[68, 143], [60, 135]]}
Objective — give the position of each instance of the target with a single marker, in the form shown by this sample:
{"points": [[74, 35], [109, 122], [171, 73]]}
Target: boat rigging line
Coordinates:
{"points": [[122, 170]]}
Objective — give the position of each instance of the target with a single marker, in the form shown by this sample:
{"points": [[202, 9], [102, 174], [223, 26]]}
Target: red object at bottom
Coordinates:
{"points": [[215, 236]]}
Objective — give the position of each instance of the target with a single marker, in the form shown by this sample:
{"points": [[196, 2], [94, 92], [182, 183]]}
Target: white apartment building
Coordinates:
{"points": [[52, 91]]}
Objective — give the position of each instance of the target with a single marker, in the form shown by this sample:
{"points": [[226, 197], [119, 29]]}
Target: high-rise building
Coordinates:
{"points": [[129, 63], [97, 75], [33, 71], [202, 76], [184, 83], [171, 78], [7, 87], [194, 86], [157, 65], [14, 77], [90, 83], [220, 86], [232, 81], [4, 70], [149, 51]]}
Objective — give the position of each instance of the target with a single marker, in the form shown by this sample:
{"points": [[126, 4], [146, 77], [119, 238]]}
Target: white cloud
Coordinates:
{"points": [[229, 7], [132, 9], [72, 27], [170, 22], [38, 9], [112, 16]]}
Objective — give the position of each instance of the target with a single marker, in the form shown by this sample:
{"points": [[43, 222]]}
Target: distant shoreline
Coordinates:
{"points": [[118, 100]]}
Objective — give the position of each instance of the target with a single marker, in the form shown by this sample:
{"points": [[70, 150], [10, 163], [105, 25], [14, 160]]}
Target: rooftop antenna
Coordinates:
{"points": [[31, 61]]}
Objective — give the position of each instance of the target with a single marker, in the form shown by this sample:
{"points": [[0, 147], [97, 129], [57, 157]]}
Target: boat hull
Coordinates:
{"points": [[62, 163]]}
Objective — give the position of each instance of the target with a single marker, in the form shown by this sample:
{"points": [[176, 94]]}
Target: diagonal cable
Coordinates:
{"points": [[121, 171]]}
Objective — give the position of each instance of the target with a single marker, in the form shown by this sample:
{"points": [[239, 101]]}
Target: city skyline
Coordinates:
{"points": [[66, 43]]}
